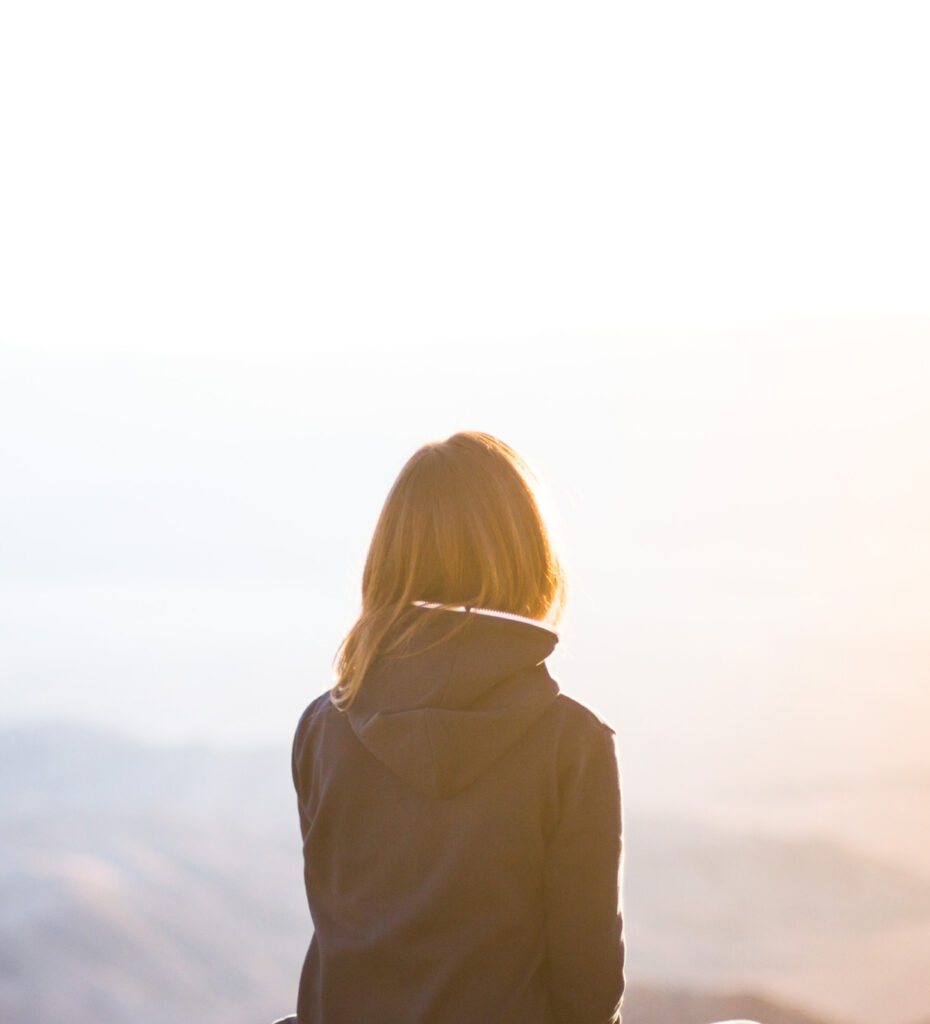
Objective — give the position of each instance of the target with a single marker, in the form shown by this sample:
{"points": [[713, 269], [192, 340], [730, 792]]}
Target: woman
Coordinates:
{"points": [[460, 815]]}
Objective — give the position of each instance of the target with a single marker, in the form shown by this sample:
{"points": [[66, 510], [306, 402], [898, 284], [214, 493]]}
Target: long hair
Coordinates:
{"points": [[461, 526]]}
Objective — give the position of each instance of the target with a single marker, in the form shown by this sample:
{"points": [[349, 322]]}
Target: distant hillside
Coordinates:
{"points": [[79, 768], [646, 1004], [146, 884], [163, 886], [755, 901]]}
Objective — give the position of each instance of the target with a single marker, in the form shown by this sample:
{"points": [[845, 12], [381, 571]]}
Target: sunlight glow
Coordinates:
{"points": [[234, 177]]}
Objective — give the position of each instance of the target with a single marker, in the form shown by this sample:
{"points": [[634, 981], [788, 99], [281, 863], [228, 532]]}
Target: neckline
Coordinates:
{"points": [[490, 612]]}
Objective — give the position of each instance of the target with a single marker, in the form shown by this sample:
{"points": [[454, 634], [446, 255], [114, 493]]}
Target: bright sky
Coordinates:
{"points": [[248, 175], [677, 253]]}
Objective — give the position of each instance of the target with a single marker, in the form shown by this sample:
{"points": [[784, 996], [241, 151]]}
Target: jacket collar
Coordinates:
{"points": [[488, 611]]}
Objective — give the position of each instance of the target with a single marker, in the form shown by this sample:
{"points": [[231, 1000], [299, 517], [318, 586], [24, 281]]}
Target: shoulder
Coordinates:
{"points": [[575, 717], [306, 735], [311, 718], [583, 762], [316, 706], [578, 738]]}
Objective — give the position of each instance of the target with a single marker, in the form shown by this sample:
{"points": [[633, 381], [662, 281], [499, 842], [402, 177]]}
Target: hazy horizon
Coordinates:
{"points": [[743, 517]]}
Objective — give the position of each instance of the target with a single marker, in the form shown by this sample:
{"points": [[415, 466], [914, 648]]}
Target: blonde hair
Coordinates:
{"points": [[461, 526]]}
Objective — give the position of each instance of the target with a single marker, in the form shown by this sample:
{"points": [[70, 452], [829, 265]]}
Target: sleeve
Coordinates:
{"points": [[584, 923], [295, 753], [299, 769]]}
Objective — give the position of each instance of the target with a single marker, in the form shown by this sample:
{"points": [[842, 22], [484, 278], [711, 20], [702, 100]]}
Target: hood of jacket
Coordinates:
{"points": [[441, 710]]}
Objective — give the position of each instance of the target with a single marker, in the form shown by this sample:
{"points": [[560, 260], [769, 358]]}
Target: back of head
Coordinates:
{"points": [[461, 526]]}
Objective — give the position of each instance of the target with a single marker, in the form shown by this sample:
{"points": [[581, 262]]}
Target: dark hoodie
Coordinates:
{"points": [[461, 839]]}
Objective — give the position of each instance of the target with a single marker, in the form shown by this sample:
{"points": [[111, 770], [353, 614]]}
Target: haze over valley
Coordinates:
{"points": [[161, 885]]}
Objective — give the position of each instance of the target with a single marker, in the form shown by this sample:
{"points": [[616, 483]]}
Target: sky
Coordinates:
{"points": [[249, 175], [252, 255]]}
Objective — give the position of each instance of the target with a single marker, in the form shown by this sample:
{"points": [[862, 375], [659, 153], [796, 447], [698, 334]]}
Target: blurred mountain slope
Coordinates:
{"points": [[164, 885]]}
